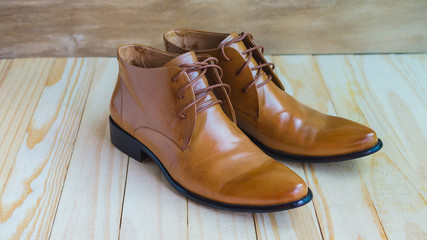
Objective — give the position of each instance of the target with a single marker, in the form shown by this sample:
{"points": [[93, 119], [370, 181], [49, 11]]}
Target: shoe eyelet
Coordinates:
{"points": [[183, 116], [180, 97]]}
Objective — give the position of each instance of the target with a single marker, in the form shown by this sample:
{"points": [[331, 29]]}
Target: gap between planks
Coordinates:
{"points": [[327, 92]]}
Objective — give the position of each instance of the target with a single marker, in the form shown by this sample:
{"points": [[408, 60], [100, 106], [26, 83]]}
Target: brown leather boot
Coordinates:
{"points": [[275, 121], [175, 110]]}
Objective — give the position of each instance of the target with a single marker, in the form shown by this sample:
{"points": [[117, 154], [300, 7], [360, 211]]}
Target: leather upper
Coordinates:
{"points": [[205, 152], [266, 112]]}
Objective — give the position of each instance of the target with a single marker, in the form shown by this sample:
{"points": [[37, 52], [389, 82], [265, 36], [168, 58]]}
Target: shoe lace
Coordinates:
{"points": [[193, 67], [249, 51]]}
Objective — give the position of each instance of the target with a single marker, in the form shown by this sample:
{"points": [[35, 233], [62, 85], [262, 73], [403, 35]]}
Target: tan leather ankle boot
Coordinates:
{"points": [[175, 110], [275, 121]]}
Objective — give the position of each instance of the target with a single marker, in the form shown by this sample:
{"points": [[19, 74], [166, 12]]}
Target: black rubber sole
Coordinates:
{"points": [[310, 159], [136, 150]]}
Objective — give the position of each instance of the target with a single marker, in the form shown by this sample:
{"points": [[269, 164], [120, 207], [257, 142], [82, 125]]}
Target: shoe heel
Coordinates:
{"points": [[126, 143]]}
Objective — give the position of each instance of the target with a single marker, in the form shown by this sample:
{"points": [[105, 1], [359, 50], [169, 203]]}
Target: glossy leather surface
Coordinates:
{"points": [[268, 113], [206, 152]]}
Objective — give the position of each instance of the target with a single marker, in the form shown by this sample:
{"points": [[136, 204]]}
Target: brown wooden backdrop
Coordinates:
{"points": [[95, 28]]}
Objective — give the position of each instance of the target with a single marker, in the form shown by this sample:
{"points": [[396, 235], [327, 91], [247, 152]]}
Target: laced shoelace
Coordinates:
{"points": [[193, 67], [249, 51]]}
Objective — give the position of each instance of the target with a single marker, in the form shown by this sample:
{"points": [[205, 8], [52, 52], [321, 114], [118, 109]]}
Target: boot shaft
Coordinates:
{"points": [[153, 91], [240, 67]]}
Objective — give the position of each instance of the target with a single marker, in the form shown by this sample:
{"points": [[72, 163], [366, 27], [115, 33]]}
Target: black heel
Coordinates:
{"points": [[126, 143]]}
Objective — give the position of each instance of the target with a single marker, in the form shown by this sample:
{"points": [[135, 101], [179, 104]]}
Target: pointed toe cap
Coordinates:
{"points": [[369, 138], [343, 136], [270, 184], [356, 137]]}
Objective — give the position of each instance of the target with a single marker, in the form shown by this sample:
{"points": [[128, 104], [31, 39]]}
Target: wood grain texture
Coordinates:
{"points": [[152, 208], [33, 186], [335, 186], [60, 177], [95, 28], [208, 223], [298, 223], [388, 93], [91, 200], [21, 85]]}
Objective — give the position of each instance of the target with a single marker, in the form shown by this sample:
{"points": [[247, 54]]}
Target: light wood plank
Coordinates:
{"points": [[4, 68], [385, 92], [209, 223], [91, 200], [414, 66], [152, 208], [22, 83], [42, 101], [95, 28], [31, 192], [335, 186], [300, 223]]}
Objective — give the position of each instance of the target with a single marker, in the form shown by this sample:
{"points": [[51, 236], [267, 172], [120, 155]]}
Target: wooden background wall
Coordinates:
{"points": [[95, 28]]}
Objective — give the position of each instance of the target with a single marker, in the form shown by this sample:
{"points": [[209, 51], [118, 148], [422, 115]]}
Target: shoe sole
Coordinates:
{"points": [[136, 150], [311, 159]]}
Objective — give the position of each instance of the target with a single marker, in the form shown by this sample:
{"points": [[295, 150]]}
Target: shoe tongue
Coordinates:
{"points": [[189, 58], [240, 46]]}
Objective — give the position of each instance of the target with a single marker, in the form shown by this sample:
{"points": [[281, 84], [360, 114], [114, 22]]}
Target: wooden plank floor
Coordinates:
{"points": [[60, 178]]}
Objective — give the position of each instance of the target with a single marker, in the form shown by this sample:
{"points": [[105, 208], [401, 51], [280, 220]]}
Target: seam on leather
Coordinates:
{"points": [[154, 130]]}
